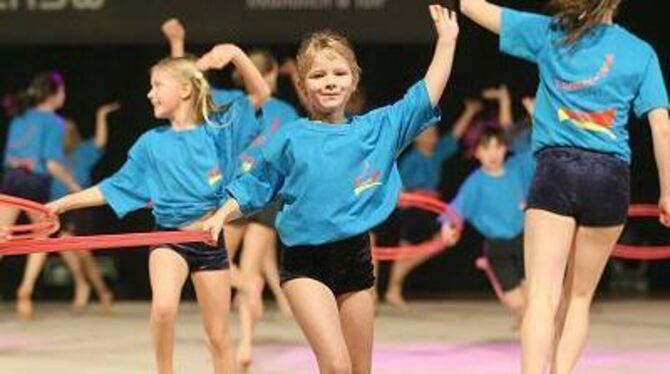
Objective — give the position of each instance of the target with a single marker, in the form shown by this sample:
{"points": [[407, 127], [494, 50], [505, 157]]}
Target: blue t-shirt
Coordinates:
{"points": [[182, 173], [34, 138], [276, 112], [494, 204], [422, 172], [81, 161], [587, 90], [222, 96], [336, 180]]}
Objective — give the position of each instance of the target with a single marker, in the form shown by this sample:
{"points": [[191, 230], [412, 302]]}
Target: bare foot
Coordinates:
{"points": [[82, 293], [243, 357], [106, 300], [24, 305], [396, 300]]}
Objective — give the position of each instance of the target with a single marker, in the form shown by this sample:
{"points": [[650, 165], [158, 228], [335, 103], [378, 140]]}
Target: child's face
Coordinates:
{"points": [[491, 155], [166, 94], [428, 139], [329, 83]]}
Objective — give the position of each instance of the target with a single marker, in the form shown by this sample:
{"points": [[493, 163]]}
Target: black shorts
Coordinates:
{"points": [[591, 187], [24, 184], [267, 216], [78, 221], [343, 266], [506, 259], [199, 256]]}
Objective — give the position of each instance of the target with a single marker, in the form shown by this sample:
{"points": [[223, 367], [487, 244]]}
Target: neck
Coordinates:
{"points": [[494, 172], [608, 18], [184, 118], [45, 106], [334, 118]]}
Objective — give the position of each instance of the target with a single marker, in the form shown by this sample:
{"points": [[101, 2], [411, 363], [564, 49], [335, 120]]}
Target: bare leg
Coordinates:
{"points": [[94, 275], [31, 272], [399, 271], [257, 242], [593, 247], [357, 318], [271, 274], [213, 292], [316, 311], [548, 239], [167, 272]]}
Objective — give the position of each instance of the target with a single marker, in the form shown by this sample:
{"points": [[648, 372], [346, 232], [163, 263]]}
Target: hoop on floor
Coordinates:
{"points": [[427, 203], [33, 238]]}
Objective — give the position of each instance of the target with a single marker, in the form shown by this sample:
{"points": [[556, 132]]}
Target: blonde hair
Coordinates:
{"points": [[326, 40], [185, 68]]}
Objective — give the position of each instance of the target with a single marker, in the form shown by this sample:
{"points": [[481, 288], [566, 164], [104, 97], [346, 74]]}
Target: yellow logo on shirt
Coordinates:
{"points": [[366, 180], [214, 176]]}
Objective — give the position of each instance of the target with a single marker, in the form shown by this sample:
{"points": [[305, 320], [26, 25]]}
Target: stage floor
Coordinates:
{"points": [[437, 337]]}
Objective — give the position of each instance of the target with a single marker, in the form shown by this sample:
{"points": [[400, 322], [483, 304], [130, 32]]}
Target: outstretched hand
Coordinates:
{"points": [[446, 23]]}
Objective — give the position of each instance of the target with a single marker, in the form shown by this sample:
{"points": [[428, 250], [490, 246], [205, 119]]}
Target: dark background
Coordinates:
{"points": [[105, 71]]}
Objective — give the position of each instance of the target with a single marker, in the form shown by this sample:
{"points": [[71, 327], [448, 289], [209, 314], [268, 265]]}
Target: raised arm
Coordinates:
{"points": [[471, 108], [483, 13], [223, 54], [101, 124], [175, 33], [439, 70], [501, 95], [660, 132]]}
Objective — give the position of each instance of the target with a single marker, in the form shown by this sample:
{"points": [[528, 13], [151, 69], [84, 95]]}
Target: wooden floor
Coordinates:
{"points": [[438, 337]]}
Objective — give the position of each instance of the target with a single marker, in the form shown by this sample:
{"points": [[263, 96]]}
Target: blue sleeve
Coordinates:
{"points": [[257, 184], [523, 34], [652, 93], [464, 202], [523, 164], [447, 147], [89, 154], [55, 137], [240, 119], [126, 190], [407, 118]]}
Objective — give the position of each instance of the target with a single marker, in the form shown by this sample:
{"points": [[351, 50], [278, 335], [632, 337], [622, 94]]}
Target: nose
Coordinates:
{"points": [[150, 93]]}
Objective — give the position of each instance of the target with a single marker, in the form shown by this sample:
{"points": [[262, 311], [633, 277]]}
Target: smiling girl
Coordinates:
{"points": [[182, 169], [338, 178]]}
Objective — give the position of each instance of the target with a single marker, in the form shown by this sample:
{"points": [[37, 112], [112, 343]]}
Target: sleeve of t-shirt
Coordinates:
{"points": [[90, 153], [126, 190], [523, 164], [464, 202], [53, 146], [240, 119], [652, 93], [404, 120], [523, 34], [257, 184], [447, 147]]}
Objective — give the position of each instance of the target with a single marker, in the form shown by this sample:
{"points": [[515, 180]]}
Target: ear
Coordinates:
{"points": [[186, 90]]}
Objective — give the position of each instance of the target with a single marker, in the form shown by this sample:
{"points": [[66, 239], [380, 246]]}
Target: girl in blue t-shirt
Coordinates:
{"points": [[79, 157], [338, 178], [182, 170], [592, 73], [33, 157]]}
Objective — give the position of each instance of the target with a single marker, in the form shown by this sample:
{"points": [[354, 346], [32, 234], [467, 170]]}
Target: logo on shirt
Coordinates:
{"points": [[247, 163], [588, 82], [262, 138], [601, 122], [214, 176], [366, 180]]}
